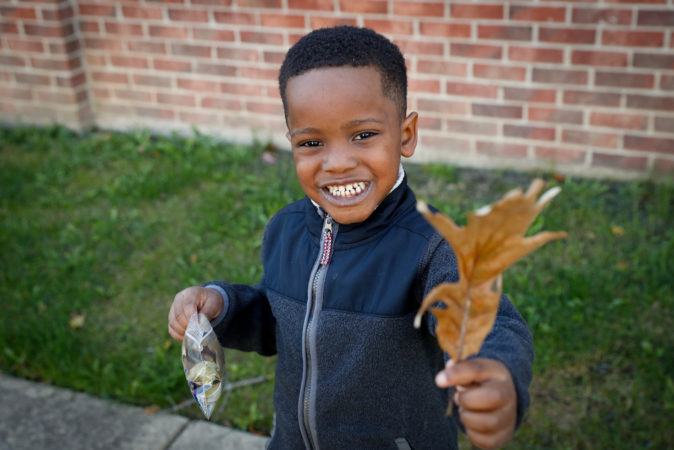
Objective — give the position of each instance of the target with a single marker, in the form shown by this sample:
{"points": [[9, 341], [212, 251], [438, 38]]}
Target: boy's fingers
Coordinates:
{"points": [[480, 421], [477, 370], [489, 440], [487, 397]]}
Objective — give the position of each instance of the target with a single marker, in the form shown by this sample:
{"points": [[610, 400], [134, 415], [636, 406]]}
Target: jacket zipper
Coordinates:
{"points": [[315, 300]]}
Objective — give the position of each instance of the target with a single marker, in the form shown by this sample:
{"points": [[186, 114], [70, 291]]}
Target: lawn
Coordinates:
{"points": [[99, 231]]}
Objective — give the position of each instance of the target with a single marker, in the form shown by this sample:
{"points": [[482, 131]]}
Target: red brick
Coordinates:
{"points": [[260, 3], [240, 54], [241, 89], [654, 60], [96, 9], [168, 31], [418, 85], [471, 90], [667, 82], [447, 144], [103, 44], [530, 95], [176, 99], [282, 20], [17, 13], [633, 38], [535, 54], [56, 64], [559, 76], [475, 11], [109, 77], [471, 127], [599, 58], [154, 113], [499, 72], [649, 144], [602, 15], [16, 93], [538, 14], [418, 9], [264, 108], [143, 12], [133, 95], [492, 110], [619, 161], [156, 48], [8, 60], [444, 29], [217, 35], [56, 98], [152, 80], [655, 17], [442, 106], [663, 166], [59, 14], [223, 70], [49, 30], [125, 29], [620, 121], [595, 139], [8, 27], [324, 5], [72, 80], [330, 21], [529, 132], [221, 103], [591, 98], [32, 79], [650, 102], [260, 37], [447, 68], [188, 15], [200, 51], [199, 85], [430, 123], [560, 155], [24, 45], [129, 61], [501, 149], [172, 65], [413, 47], [87, 26], [235, 18], [504, 32], [258, 73], [96, 60], [476, 51], [627, 80], [567, 35], [555, 115], [360, 6], [665, 124], [390, 26]]}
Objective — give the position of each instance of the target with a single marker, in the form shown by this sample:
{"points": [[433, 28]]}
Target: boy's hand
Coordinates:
{"points": [[486, 399], [187, 302]]}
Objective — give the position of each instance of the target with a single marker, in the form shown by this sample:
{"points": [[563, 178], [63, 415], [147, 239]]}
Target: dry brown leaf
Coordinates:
{"points": [[77, 320], [492, 240]]}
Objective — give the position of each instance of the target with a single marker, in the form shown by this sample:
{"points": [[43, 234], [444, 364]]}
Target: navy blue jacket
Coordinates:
{"points": [[336, 303]]}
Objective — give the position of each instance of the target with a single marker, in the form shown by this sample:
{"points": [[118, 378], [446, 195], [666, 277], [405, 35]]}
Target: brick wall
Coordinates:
{"points": [[580, 86]]}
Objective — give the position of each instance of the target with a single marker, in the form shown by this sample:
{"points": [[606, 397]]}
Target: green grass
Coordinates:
{"points": [[112, 225]]}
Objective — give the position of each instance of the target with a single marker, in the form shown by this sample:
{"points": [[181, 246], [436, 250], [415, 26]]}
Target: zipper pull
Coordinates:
{"points": [[327, 242]]}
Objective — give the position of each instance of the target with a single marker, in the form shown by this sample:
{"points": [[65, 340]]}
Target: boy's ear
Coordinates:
{"points": [[409, 134]]}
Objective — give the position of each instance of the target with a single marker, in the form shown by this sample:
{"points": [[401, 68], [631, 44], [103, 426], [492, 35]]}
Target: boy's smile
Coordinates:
{"points": [[347, 138]]}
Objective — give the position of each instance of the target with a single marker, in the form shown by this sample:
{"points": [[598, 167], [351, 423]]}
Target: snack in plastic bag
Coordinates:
{"points": [[204, 363]]}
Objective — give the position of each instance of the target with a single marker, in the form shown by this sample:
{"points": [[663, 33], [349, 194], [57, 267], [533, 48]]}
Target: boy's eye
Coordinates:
{"points": [[364, 135], [310, 143]]}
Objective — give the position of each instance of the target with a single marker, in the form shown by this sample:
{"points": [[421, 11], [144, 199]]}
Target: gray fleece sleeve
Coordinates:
{"points": [[509, 341]]}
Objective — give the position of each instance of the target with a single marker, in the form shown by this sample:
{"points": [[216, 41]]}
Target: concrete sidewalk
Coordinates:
{"points": [[42, 417]]}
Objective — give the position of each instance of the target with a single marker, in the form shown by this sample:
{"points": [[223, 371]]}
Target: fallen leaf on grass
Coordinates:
{"points": [[77, 320], [151, 410], [492, 240]]}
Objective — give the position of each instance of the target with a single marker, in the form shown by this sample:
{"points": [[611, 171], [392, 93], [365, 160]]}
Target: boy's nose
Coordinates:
{"points": [[339, 160]]}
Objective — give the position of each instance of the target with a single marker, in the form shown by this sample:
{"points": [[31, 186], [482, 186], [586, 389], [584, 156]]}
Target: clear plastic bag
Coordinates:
{"points": [[204, 363]]}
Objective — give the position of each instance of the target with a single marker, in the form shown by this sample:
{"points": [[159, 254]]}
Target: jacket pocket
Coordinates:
{"points": [[402, 444]]}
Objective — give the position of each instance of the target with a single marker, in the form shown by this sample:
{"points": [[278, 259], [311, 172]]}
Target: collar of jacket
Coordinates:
{"points": [[397, 203]]}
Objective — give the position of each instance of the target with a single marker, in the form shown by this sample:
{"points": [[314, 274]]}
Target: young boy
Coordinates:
{"points": [[346, 268]]}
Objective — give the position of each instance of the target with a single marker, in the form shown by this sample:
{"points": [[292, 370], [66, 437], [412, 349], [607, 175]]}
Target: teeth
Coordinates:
{"points": [[347, 190]]}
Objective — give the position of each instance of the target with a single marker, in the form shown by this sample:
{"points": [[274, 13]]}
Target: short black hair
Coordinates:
{"points": [[348, 46]]}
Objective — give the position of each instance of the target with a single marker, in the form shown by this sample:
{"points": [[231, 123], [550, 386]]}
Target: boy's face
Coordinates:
{"points": [[347, 139]]}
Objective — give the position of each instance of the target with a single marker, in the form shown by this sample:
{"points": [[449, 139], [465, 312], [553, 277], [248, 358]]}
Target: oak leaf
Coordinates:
{"points": [[492, 240]]}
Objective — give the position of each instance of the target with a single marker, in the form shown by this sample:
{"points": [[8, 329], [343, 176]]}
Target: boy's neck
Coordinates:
{"points": [[401, 176]]}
